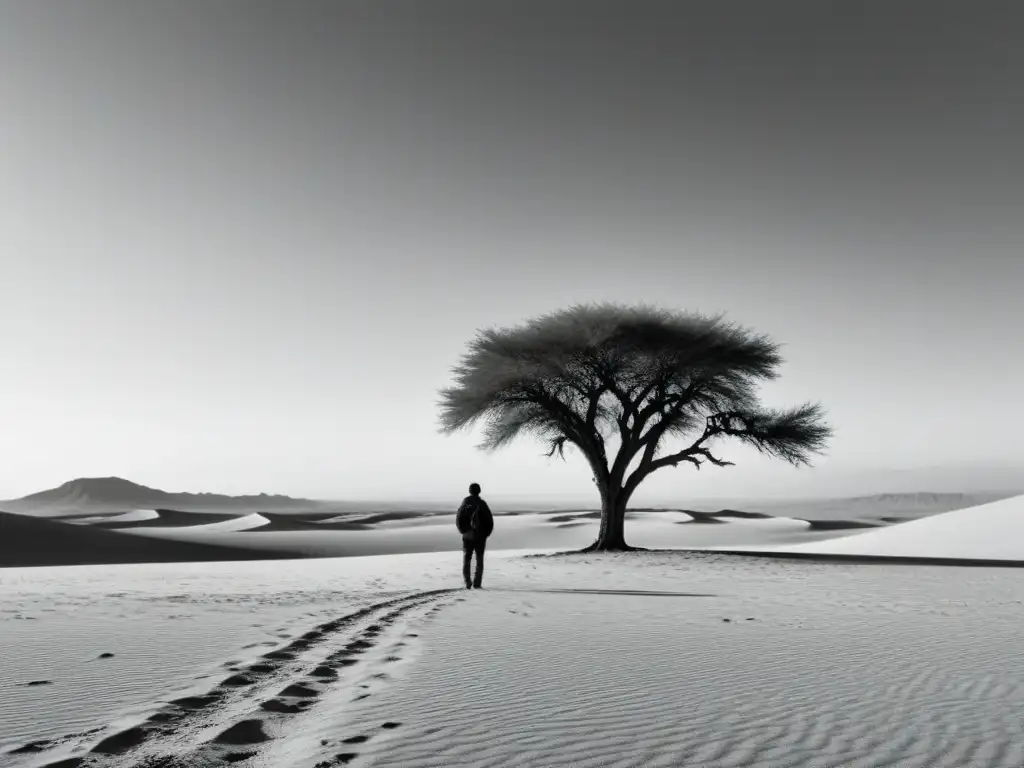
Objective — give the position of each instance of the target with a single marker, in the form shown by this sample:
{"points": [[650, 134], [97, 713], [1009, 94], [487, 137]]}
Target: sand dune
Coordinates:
{"points": [[124, 518], [987, 534], [990, 532], [28, 541], [300, 523], [170, 518], [323, 534]]}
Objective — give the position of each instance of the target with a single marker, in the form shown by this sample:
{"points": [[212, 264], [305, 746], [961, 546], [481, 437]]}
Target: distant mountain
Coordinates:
{"points": [[94, 495]]}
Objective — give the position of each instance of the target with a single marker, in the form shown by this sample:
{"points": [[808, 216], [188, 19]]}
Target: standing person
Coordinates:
{"points": [[475, 522]]}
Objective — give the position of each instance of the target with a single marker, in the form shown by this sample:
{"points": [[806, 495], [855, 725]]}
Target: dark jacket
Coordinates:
{"points": [[484, 518]]}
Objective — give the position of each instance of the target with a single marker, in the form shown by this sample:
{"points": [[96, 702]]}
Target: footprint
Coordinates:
{"points": [[389, 725], [164, 717], [32, 746], [392, 658], [299, 691], [355, 740], [341, 759], [282, 707], [121, 742], [244, 732], [195, 702], [236, 681], [237, 757], [279, 655]]}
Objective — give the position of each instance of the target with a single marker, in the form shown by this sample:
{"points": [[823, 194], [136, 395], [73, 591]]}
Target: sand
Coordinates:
{"points": [[598, 660], [647, 658]]}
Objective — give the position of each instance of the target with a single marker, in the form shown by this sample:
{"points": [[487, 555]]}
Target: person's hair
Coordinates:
{"points": [[474, 488]]}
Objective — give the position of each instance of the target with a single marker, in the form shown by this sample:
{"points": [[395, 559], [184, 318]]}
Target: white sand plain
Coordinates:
{"points": [[637, 659]]}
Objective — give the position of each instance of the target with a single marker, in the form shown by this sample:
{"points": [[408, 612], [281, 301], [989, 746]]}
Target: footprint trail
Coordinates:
{"points": [[291, 701]]}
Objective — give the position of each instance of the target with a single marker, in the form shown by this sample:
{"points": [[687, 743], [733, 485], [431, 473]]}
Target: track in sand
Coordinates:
{"points": [[266, 705]]}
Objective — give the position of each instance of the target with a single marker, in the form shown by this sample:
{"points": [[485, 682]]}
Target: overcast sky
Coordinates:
{"points": [[243, 243]]}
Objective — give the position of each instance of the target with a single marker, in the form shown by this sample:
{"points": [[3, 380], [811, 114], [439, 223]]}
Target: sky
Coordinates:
{"points": [[242, 244]]}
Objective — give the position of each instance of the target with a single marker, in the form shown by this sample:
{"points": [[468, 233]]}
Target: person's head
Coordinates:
{"points": [[474, 489]]}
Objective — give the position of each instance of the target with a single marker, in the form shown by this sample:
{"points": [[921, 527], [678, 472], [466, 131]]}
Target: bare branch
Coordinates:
{"points": [[557, 446]]}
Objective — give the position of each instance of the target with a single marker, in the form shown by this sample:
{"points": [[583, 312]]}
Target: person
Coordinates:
{"points": [[475, 522]]}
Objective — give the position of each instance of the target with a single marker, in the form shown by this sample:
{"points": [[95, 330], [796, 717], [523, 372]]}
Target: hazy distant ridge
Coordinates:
{"points": [[90, 495]]}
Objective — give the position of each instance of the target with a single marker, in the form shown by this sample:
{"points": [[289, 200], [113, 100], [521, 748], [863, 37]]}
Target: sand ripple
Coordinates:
{"points": [[547, 679]]}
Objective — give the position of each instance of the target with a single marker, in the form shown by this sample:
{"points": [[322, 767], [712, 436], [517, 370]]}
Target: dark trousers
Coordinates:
{"points": [[469, 546]]}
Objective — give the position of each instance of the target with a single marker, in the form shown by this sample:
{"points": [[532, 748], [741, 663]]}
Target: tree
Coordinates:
{"points": [[621, 385]]}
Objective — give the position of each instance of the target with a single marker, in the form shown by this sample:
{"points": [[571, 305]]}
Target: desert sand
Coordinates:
{"points": [[663, 658]]}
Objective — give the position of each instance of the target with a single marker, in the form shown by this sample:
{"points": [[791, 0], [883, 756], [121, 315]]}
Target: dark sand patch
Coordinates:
{"points": [[839, 525]]}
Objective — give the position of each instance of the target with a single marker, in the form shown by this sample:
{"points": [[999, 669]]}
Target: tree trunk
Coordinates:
{"points": [[611, 536]]}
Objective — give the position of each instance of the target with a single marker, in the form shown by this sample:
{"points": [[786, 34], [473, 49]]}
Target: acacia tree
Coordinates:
{"points": [[634, 389]]}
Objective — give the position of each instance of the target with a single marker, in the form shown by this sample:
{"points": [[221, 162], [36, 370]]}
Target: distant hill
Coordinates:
{"points": [[29, 541], [96, 495]]}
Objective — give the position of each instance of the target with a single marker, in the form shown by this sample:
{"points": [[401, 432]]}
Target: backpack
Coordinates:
{"points": [[466, 518]]}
